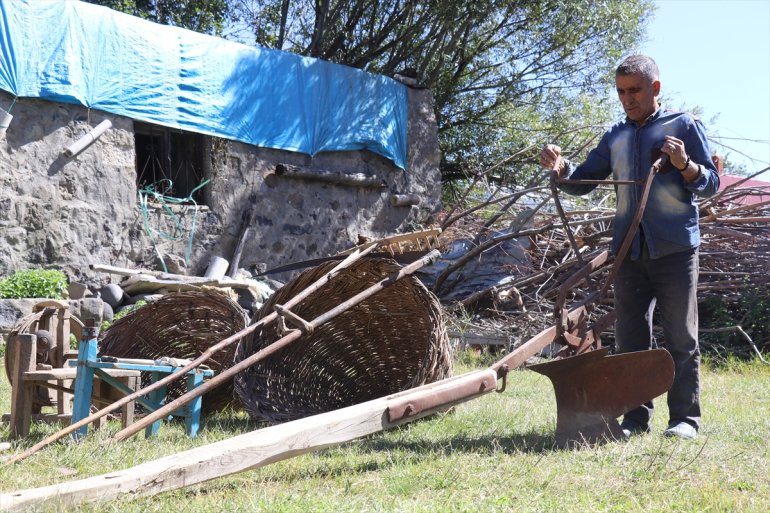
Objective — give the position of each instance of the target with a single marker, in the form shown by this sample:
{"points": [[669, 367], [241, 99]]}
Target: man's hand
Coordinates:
{"points": [[550, 158], [675, 150]]}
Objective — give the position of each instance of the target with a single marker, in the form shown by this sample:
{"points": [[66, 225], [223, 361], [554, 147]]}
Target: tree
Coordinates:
{"points": [[206, 16], [496, 67], [504, 73]]}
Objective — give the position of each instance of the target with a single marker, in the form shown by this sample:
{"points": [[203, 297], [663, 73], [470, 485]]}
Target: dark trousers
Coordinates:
{"points": [[672, 282]]}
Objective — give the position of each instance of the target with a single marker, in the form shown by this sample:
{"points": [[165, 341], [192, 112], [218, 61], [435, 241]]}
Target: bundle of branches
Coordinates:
{"points": [[733, 291], [735, 254]]}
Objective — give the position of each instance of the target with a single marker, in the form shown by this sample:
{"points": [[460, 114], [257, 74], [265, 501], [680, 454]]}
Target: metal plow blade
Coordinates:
{"points": [[593, 389]]}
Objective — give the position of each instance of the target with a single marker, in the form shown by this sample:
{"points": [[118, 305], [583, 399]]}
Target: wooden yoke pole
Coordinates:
{"points": [[353, 257], [276, 346]]}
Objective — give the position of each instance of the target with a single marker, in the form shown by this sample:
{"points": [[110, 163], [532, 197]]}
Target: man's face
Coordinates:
{"points": [[637, 94]]}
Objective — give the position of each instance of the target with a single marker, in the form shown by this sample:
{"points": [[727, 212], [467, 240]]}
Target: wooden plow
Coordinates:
{"points": [[279, 442], [592, 389]]}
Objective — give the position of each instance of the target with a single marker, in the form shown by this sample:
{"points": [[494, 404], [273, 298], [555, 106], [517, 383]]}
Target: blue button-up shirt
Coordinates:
{"points": [[627, 151]]}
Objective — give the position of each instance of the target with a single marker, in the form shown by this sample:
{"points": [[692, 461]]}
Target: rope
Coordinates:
{"points": [[153, 191]]}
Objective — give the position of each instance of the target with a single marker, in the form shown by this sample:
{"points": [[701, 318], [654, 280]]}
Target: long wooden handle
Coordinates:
{"points": [[353, 257], [249, 450], [276, 346]]}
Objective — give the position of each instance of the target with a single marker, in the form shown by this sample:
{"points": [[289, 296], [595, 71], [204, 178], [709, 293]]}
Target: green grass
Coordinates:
{"points": [[492, 454]]}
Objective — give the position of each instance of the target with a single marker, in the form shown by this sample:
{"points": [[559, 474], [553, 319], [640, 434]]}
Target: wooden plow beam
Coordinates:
{"points": [[252, 450], [276, 443]]}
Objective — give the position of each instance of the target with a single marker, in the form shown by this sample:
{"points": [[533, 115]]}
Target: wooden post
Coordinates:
{"points": [[63, 349], [84, 380], [156, 397], [23, 346], [404, 200], [248, 221], [192, 414]]}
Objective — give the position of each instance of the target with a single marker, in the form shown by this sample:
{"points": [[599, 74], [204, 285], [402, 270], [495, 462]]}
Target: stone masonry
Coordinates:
{"points": [[69, 213]]}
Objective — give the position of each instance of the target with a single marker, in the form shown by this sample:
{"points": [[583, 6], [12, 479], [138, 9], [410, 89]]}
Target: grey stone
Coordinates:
{"points": [[12, 310], [77, 290], [273, 284], [176, 264], [149, 298], [107, 312], [88, 308], [71, 213], [112, 294]]}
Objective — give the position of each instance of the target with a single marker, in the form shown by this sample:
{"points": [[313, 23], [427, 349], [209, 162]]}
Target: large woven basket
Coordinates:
{"points": [[393, 341], [181, 325]]}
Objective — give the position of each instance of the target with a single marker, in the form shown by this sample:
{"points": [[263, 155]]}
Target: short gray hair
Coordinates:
{"points": [[639, 65]]}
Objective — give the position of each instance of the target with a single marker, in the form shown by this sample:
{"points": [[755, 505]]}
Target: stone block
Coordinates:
{"points": [[112, 294]]}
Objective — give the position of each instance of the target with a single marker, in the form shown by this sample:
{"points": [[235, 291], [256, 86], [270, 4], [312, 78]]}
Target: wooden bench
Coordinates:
{"points": [[27, 379], [89, 367]]}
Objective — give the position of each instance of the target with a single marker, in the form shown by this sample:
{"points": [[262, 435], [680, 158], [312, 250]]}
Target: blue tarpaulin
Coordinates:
{"points": [[74, 52]]}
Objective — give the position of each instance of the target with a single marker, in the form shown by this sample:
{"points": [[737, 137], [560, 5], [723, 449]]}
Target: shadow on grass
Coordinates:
{"points": [[531, 442], [330, 465], [233, 424]]}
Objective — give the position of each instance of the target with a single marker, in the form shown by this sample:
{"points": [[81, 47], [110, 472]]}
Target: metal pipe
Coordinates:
{"points": [[88, 139]]}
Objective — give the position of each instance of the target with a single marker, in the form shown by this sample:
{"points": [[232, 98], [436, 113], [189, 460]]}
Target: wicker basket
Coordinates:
{"points": [[393, 341], [181, 325]]}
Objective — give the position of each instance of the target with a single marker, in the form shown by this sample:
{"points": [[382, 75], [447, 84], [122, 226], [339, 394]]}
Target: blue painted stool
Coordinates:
{"points": [[88, 365]]}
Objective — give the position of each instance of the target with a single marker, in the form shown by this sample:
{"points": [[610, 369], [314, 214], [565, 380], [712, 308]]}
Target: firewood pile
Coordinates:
{"points": [[734, 259]]}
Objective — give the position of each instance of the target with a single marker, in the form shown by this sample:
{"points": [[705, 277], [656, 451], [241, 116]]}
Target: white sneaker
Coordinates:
{"points": [[681, 430]]}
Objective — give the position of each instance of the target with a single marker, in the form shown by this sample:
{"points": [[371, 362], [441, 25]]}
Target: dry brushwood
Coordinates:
{"points": [[734, 256]]}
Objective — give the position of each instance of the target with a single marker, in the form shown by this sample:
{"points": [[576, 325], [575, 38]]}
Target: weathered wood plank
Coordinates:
{"points": [[333, 177], [23, 349], [237, 454]]}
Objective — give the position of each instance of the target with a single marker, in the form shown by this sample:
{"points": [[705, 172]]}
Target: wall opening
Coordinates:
{"points": [[169, 161]]}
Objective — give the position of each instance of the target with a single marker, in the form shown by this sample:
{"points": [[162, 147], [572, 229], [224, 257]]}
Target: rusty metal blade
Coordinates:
{"points": [[593, 389]]}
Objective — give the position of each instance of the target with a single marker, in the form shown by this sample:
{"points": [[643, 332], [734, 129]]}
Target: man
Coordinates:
{"points": [[662, 264]]}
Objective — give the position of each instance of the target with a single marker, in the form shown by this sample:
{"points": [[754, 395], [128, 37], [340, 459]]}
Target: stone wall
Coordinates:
{"points": [[72, 212]]}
